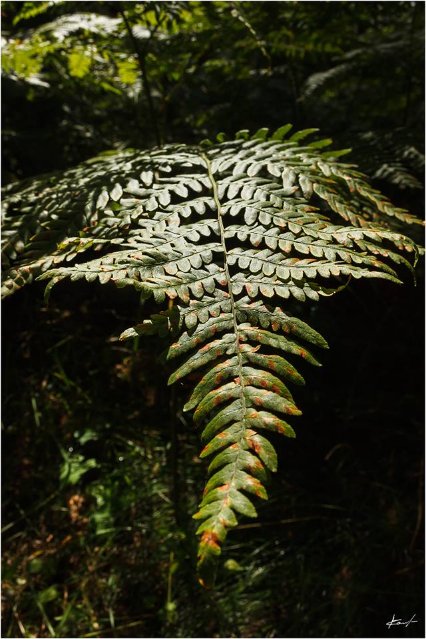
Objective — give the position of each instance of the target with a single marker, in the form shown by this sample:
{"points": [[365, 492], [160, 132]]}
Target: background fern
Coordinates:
{"points": [[226, 231]]}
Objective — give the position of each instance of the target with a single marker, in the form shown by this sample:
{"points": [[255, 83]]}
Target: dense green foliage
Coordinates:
{"points": [[77, 83], [240, 235]]}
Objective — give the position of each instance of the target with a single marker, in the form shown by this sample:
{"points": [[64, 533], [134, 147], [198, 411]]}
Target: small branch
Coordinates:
{"points": [[174, 456], [237, 13], [141, 57]]}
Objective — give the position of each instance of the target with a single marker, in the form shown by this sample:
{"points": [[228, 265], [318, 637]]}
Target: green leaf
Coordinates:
{"points": [[216, 397], [280, 133], [215, 376], [47, 595], [242, 135], [268, 421], [261, 134], [206, 354], [320, 144], [128, 71], [74, 467], [224, 438], [276, 364], [79, 63], [237, 458], [270, 401], [264, 449], [300, 135], [233, 412]]}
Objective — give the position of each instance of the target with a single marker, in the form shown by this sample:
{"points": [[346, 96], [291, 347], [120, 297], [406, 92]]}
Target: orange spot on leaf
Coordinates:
{"points": [[254, 445], [209, 539]]}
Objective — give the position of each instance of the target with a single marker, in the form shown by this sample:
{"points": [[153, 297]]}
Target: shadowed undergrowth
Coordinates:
{"points": [[94, 538]]}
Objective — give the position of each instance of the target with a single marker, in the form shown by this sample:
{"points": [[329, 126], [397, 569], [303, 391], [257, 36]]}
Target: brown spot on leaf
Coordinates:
{"points": [[254, 445], [210, 539]]}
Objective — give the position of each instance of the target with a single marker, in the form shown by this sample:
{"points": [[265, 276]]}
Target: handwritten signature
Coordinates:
{"points": [[398, 622]]}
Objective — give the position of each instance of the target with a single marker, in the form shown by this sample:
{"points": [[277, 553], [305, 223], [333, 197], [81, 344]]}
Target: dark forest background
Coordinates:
{"points": [[97, 497]]}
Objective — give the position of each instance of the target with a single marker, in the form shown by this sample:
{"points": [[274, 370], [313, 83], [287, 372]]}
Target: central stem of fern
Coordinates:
{"points": [[236, 329], [228, 277]]}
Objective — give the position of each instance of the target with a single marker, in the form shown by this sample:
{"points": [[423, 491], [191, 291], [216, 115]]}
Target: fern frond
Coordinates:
{"points": [[358, 61], [63, 26], [392, 157], [226, 230]]}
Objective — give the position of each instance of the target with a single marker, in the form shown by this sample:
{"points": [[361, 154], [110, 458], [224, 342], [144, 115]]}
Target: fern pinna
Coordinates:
{"points": [[229, 232]]}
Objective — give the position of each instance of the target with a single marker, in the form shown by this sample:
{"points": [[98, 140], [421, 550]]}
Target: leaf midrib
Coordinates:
{"points": [[235, 322]]}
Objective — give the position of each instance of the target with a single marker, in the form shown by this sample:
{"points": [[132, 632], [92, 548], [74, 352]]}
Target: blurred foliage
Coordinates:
{"points": [[98, 495], [136, 73]]}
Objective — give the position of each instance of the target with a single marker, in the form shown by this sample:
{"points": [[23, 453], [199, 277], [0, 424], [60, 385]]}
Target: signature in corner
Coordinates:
{"points": [[398, 622]]}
